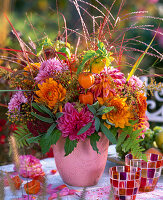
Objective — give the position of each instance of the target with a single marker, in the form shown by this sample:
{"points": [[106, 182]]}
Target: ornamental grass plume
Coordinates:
{"points": [[14, 151], [2, 185]]}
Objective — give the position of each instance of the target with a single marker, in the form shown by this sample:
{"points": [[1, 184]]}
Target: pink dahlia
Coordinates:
{"points": [[49, 68], [72, 121], [16, 101], [117, 76], [30, 166], [103, 83]]}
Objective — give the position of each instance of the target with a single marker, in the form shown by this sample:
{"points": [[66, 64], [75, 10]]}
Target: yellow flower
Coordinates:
{"points": [[50, 93], [98, 65], [120, 115]]}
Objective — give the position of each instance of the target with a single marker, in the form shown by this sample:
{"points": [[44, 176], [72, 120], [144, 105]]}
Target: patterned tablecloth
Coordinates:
{"points": [[98, 192]]}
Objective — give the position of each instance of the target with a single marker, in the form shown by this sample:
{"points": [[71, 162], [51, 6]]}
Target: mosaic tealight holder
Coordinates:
{"points": [[150, 171], [125, 181]]}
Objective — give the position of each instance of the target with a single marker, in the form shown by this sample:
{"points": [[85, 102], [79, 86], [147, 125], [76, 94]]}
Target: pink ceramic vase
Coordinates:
{"points": [[83, 167]]}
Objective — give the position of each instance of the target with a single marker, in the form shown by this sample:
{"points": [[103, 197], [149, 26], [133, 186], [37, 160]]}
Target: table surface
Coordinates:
{"points": [[49, 164]]}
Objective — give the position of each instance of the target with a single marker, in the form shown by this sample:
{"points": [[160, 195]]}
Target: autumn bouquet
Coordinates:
{"points": [[76, 96], [75, 93]]}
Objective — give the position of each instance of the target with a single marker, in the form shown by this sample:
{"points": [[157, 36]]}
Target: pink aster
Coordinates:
{"points": [[49, 68], [17, 99], [72, 121], [135, 83], [30, 166]]}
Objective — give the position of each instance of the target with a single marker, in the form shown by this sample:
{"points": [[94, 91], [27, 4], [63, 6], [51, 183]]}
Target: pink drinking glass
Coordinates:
{"points": [[150, 171], [125, 181]]}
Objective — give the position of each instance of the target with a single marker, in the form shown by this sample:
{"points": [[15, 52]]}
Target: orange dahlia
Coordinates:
{"points": [[120, 115], [50, 93]]}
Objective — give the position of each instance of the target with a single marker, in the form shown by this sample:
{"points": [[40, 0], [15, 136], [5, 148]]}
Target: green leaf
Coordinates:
{"points": [[121, 138], [108, 109], [47, 42], [96, 105], [45, 144], [21, 136], [101, 49], [44, 119], [58, 115], [50, 130], [133, 122], [91, 108], [42, 109], [37, 107], [94, 138], [102, 108], [47, 111], [97, 123], [105, 110], [65, 50], [108, 134], [87, 56], [84, 129], [55, 135], [34, 139], [114, 131], [69, 146], [136, 65]]}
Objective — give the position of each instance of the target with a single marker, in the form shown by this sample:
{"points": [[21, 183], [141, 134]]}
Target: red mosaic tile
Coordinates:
{"points": [[143, 182], [137, 175], [144, 173], [115, 183], [122, 184], [144, 164], [122, 191], [129, 191], [151, 173], [115, 175], [127, 168], [158, 164], [130, 184], [116, 197], [151, 164]]}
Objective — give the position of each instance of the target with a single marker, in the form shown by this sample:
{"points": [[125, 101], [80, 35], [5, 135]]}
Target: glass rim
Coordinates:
{"points": [[140, 160], [138, 169]]}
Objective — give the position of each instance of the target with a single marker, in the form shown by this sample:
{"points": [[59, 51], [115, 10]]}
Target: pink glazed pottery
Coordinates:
{"points": [[83, 167]]}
